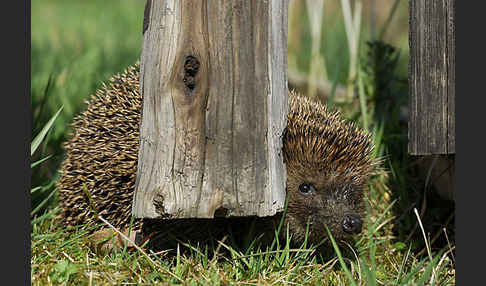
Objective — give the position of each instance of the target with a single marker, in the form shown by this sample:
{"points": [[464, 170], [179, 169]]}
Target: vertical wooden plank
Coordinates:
{"points": [[451, 72], [277, 107], [412, 80], [437, 94], [430, 87], [214, 85]]}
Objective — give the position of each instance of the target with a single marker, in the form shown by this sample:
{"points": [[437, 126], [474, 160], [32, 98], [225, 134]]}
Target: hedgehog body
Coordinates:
{"points": [[328, 164]]}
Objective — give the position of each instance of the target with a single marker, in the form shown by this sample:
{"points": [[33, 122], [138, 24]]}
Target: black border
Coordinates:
{"points": [[16, 138], [470, 148]]}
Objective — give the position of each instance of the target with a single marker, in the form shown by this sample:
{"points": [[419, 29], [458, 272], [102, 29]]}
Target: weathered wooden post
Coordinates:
{"points": [[214, 86], [431, 125], [432, 77]]}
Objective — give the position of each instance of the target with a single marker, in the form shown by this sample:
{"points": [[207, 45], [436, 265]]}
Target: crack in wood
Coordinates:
{"points": [[146, 16]]}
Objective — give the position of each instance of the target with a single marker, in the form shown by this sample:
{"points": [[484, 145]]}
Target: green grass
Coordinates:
{"points": [[59, 256], [76, 45]]}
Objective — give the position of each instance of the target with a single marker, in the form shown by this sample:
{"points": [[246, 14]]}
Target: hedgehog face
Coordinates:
{"points": [[319, 200], [328, 166]]}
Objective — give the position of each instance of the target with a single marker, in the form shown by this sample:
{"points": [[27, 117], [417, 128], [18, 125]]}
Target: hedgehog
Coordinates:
{"points": [[328, 163]]}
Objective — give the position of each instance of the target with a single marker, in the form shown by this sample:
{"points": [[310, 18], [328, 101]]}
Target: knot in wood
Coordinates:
{"points": [[191, 67]]}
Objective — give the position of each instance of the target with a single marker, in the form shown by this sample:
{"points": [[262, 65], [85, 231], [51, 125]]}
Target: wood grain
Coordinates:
{"points": [[432, 77]]}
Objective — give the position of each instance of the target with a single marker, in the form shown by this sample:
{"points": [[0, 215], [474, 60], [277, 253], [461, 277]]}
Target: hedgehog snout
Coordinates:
{"points": [[352, 224]]}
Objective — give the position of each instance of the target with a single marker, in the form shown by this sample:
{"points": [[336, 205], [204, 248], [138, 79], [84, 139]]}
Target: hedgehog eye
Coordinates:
{"points": [[307, 188]]}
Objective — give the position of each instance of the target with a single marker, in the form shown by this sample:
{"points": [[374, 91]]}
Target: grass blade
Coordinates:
{"points": [[362, 101], [35, 189], [370, 277], [42, 203], [402, 265], [38, 139], [40, 161], [330, 102], [44, 217], [340, 257]]}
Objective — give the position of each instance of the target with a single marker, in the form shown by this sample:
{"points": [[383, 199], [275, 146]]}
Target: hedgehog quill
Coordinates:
{"points": [[328, 163]]}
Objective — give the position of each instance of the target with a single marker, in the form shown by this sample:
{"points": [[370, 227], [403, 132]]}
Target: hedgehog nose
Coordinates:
{"points": [[352, 224]]}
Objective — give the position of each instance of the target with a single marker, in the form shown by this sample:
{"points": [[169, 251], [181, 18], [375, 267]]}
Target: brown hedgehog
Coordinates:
{"points": [[328, 165]]}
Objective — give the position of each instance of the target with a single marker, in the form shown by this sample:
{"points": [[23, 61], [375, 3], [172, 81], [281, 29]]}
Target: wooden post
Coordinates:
{"points": [[431, 127], [214, 86]]}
